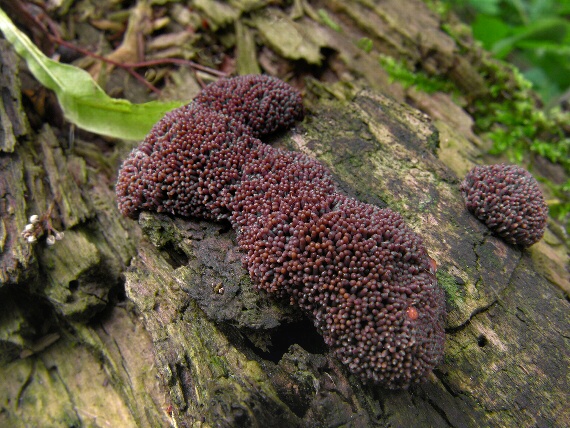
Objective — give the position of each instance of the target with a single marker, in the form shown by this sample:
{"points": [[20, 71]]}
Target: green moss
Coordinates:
{"points": [[453, 294], [365, 44], [400, 72], [508, 114], [509, 117], [218, 366], [328, 21]]}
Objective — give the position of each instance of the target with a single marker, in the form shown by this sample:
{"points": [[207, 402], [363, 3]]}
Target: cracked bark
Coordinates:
{"points": [[487, 352], [194, 342]]}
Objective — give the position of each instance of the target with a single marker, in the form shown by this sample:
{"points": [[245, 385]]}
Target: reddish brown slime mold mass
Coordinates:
{"points": [[508, 200], [357, 270]]}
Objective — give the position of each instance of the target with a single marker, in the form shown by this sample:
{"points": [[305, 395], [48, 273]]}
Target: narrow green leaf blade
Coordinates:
{"points": [[550, 30], [83, 102]]}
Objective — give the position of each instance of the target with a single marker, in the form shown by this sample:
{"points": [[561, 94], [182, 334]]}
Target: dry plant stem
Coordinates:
{"points": [[86, 52], [54, 37], [130, 66], [179, 61]]}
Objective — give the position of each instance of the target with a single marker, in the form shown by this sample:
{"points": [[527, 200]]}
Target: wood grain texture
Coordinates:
{"points": [[194, 344]]}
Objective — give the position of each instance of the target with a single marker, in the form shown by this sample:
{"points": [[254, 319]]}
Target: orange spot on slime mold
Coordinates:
{"points": [[412, 313]]}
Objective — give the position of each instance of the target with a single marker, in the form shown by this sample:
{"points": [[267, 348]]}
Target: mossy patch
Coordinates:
{"points": [[453, 293], [400, 72], [508, 113]]}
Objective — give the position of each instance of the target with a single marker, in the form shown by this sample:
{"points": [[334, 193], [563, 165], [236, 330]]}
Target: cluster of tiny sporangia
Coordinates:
{"points": [[361, 274], [37, 227], [508, 199]]}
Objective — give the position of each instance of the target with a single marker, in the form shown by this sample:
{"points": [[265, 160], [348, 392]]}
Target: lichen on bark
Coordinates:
{"points": [[194, 337]]}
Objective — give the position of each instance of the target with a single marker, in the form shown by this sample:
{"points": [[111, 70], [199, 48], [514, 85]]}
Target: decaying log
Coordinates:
{"points": [[222, 355], [56, 370], [193, 344]]}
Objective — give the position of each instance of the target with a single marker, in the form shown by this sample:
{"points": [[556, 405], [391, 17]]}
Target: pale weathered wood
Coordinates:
{"points": [[55, 370], [14, 254], [194, 344]]}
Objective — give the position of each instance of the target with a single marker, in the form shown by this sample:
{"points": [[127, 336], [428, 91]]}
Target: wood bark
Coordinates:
{"points": [[192, 343]]}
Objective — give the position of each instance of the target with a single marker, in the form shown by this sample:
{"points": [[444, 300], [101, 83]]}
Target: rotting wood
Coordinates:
{"points": [[225, 354], [57, 371], [373, 146]]}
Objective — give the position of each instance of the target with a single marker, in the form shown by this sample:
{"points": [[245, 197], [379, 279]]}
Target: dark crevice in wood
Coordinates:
{"points": [[302, 333]]}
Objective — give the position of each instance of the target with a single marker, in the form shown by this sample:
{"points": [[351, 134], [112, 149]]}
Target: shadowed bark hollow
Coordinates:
{"points": [[114, 327]]}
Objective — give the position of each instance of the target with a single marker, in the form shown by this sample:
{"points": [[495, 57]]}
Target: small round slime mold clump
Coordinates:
{"points": [[508, 200], [357, 270]]}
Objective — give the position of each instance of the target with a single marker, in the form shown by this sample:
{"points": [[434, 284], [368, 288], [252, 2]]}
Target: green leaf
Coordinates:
{"points": [[551, 29], [546, 47], [83, 102], [488, 7], [490, 30]]}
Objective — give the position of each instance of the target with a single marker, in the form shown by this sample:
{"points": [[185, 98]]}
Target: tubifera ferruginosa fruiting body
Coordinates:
{"points": [[361, 274], [508, 199]]}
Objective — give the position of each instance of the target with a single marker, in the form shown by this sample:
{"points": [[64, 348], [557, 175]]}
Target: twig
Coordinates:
{"points": [[53, 35], [178, 61], [87, 52], [130, 66]]}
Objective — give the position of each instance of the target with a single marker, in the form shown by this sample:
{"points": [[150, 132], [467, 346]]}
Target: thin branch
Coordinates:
{"points": [[87, 52], [178, 61], [52, 33]]}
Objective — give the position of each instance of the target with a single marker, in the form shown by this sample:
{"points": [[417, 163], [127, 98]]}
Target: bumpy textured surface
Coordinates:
{"points": [[358, 270], [508, 200], [264, 104]]}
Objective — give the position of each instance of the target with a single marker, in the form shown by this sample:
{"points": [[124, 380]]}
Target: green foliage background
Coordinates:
{"points": [[534, 35]]}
